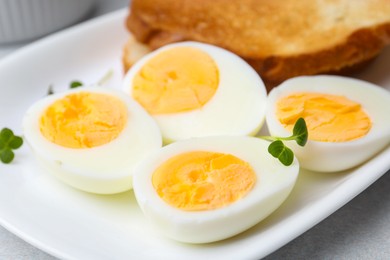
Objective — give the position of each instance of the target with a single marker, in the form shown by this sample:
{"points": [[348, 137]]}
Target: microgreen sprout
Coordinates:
{"points": [[50, 90], [279, 150], [8, 142], [72, 84], [75, 84]]}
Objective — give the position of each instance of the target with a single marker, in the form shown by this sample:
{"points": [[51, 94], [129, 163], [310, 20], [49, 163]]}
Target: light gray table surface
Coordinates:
{"points": [[359, 230]]}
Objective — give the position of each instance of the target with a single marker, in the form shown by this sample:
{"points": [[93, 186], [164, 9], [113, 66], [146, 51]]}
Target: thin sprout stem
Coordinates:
{"points": [[268, 138], [293, 137], [106, 77], [274, 138]]}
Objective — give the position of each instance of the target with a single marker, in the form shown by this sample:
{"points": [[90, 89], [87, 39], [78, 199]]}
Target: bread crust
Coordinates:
{"points": [[280, 39], [133, 51]]}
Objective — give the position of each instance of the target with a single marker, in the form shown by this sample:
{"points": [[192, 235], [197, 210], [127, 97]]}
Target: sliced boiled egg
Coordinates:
{"points": [[207, 189], [194, 89], [91, 137], [347, 119]]}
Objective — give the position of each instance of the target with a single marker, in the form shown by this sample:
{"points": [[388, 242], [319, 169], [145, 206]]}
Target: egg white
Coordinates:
{"points": [[274, 183], [336, 156], [237, 107], [104, 169]]}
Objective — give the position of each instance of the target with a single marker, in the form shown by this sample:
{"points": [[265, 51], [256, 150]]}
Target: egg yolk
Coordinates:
{"points": [[329, 118], [176, 80], [84, 119], [198, 180]]}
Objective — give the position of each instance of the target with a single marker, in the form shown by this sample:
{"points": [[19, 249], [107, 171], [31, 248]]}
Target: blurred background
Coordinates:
{"points": [[24, 21]]}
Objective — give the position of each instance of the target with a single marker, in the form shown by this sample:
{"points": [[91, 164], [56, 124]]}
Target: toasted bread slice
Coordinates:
{"points": [[133, 51], [280, 39]]}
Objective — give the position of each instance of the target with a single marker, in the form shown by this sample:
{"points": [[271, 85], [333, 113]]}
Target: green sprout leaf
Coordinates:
{"points": [[278, 150], [75, 84], [6, 155], [6, 134], [300, 132], [8, 142], [15, 142]]}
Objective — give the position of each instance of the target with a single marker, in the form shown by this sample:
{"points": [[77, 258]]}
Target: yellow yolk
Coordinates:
{"points": [[199, 180], [176, 80], [329, 118], [83, 120]]}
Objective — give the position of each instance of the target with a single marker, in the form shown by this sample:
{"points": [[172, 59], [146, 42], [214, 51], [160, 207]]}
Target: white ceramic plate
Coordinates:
{"points": [[74, 225]]}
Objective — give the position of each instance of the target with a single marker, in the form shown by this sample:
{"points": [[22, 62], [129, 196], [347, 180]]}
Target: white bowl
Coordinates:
{"points": [[22, 20]]}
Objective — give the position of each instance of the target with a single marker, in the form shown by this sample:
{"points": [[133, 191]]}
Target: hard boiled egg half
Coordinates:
{"points": [[206, 189], [347, 119], [91, 137], [193, 89]]}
